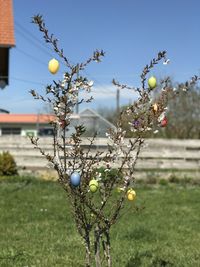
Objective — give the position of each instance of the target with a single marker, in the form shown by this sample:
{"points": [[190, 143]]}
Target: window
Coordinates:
{"points": [[30, 133], [9, 131], [46, 132]]}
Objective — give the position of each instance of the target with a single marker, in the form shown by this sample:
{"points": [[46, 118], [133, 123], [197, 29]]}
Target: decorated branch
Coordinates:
{"points": [[99, 184]]}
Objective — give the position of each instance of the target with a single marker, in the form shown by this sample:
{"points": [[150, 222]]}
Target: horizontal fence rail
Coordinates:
{"points": [[162, 154]]}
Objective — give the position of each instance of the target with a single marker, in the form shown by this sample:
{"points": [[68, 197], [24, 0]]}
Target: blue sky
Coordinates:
{"points": [[131, 32]]}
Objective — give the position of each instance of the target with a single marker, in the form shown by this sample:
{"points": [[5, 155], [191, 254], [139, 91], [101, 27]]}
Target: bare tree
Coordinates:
{"points": [[184, 114], [94, 207]]}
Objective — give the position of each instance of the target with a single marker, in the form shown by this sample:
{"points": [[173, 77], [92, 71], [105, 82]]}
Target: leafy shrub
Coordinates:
{"points": [[174, 179], [163, 182], [8, 165], [151, 178]]}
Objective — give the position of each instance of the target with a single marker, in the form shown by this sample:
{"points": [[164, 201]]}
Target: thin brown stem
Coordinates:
{"points": [[87, 250], [97, 236]]}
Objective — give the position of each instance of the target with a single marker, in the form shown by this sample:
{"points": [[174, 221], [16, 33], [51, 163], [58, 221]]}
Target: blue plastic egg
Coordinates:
{"points": [[75, 179]]}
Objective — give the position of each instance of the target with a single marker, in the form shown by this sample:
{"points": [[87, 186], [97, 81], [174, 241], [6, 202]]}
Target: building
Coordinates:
{"points": [[94, 122], [7, 39], [38, 124], [24, 124]]}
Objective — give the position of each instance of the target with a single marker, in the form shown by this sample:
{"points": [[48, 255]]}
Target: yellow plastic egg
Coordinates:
{"points": [[53, 66], [152, 82], [131, 194]]}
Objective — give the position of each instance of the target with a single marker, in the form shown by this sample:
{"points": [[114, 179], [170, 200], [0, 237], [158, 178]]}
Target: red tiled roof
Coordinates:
{"points": [[26, 118], [6, 23]]}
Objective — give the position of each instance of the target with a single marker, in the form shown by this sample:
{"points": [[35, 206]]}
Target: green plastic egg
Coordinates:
{"points": [[93, 185]]}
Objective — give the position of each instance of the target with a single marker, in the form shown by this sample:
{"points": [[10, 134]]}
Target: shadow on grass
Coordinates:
{"points": [[146, 258], [140, 234]]}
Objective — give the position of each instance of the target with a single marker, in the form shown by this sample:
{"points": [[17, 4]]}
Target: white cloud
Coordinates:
{"points": [[100, 92]]}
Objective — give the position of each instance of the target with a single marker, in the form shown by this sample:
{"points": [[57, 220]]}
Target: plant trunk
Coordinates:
{"points": [[101, 237], [87, 251], [107, 234], [97, 237]]}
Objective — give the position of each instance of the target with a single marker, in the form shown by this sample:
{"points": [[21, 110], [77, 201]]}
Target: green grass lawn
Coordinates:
{"points": [[36, 227]]}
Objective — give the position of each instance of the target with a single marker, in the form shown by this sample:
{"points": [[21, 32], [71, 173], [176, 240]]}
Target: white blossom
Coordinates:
{"points": [[161, 117], [167, 61], [90, 83], [149, 129], [126, 178], [78, 84]]}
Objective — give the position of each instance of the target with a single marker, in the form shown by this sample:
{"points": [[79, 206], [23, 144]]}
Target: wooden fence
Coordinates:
{"points": [[158, 154]]}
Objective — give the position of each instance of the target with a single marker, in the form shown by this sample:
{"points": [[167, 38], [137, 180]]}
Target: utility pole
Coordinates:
{"points": [[117, 101], [77, 108]]}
